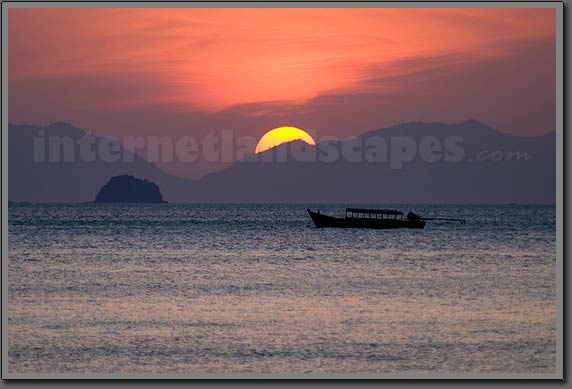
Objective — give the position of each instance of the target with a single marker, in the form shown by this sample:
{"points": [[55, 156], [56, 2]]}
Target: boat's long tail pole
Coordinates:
{"points": [[462, 221]]}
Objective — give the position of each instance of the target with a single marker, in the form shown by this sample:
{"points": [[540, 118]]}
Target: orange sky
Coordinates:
{"points": [[103, 68], [214, 58]]}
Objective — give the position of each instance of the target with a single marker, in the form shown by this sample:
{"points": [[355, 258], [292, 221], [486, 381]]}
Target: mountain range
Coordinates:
{"points": [[418, 162]]}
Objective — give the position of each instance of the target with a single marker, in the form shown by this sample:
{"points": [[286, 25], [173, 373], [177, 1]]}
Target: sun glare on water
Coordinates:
{"points": [[281, 135]]}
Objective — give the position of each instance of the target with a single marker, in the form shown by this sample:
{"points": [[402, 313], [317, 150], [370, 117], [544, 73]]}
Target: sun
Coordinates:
{"points": [[281, 135]]}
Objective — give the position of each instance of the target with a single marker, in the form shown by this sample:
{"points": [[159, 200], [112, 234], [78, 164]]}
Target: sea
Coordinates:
{"points": [[229, 288]]}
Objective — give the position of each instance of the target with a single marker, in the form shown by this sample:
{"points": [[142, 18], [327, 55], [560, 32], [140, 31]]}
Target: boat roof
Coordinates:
{"points": [[375, 211]]}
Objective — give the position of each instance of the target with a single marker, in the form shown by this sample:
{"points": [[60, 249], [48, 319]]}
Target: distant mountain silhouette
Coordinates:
{"points": [[511, 179], [468, 162], [76, 181], [128, 189]]}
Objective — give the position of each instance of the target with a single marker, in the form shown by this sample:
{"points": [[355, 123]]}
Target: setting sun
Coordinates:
{"points": [[281, 135]]}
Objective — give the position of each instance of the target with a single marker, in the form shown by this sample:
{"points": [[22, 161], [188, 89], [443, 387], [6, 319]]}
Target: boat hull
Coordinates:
{"points": [[325, 221]]}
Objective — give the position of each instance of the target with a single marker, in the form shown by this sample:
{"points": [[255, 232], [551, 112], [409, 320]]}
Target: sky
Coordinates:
{"points": [[333, 72]]}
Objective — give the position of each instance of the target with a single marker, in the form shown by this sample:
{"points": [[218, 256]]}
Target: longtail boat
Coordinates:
{"points": [[372, 218]]}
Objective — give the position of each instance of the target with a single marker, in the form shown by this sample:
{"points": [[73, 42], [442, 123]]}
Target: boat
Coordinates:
{"points": [[372, 218]]}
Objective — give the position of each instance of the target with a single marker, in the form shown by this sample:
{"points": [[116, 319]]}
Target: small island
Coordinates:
{"points": [[128, 189]]}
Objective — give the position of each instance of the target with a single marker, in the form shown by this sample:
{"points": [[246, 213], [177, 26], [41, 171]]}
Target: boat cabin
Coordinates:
{"points": [[364, 213]]}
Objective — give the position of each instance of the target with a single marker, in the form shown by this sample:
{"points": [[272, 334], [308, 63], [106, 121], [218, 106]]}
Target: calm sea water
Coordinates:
{"points": [[256, 288]]}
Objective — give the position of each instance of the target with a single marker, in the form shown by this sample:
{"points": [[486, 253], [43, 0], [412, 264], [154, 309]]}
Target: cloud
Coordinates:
{"points": [[334, 72], [224, 57]]}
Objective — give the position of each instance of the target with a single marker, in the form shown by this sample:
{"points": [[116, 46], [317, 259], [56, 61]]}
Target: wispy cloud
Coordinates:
{"points": [[222, 57], [337, 72]]}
